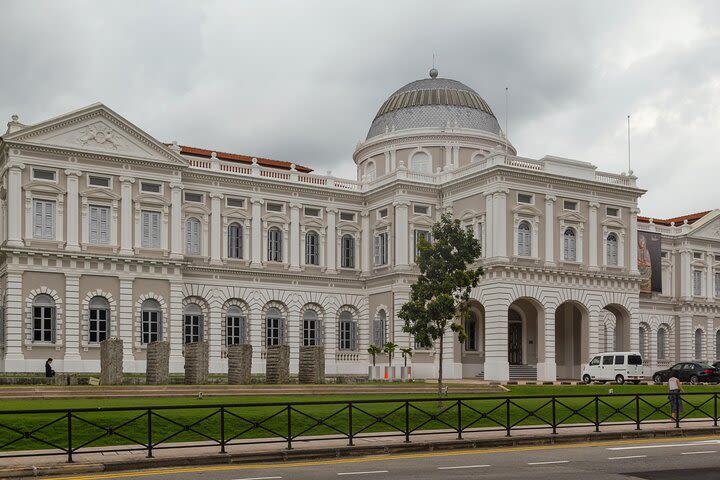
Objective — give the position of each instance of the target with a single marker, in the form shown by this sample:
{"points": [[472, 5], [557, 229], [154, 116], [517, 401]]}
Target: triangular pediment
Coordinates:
{"points": [[708, 227], [571, 217], [97, 129]]}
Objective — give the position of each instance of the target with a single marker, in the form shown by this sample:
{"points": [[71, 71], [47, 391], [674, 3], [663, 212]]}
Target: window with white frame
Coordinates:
{"points": [[420, 235], [275, 207], [612, 212], [99, 228], [193, 323], [471, 330], [643, 341], [347, 251], [348, 331], [347, 216], [274, 327], [311, 328], [41, 174], [661, 342], [97, 181], [524, 239], [43, 316], [698, 344], [274, 252], [44, 219], [697, 282], [611, 243], [421, 209], [525, 198], [381, 248], [150, 228], [421, 162], [99, 318], [370, 171], [382, 213], [312, 212], [193, 197], [151, 319], [380, 329], [235, 325], [148, 187], [234, 202], [570, 205], [570, 245], [235, 240], [192, 236], [717, 285], [312, 248]]}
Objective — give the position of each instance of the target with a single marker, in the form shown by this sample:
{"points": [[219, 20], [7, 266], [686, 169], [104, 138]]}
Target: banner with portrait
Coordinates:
{"points": [[649, 262]]}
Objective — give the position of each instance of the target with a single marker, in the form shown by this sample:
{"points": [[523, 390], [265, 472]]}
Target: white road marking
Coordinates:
{"points": [[259, 478], [629, 456], [698, 453], [549, 463], [363, 473], [462, 466], [667, 445]]}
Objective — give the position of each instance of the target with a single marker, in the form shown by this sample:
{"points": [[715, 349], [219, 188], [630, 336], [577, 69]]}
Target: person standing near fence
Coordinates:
{"points": [[674, 390]]}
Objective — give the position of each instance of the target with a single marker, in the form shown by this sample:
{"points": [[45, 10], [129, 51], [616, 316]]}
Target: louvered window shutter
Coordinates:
{"points": [[38, 221], [145, 229], [281, 331], [94, 224], [49, 220], [353, 335], [103, 230], [377, 250], [155, 230]]}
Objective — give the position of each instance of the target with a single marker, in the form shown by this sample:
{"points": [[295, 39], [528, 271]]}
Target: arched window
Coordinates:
{"points": [[235, 240], [348, 331], [312, 248], [311, 328], [569, 245], [471, 330], [348, 251], [43, 319], [524, 239], [274, 327], [370, 171], [99, 318], [151, 314], [274, 245], [192, 236], [235, 324], [612, 249], [643, 348], [421, 162], [193, 323], [661, 341], [380, 329], [698, 344]]}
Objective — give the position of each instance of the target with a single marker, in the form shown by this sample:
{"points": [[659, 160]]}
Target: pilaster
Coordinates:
{"points": [[593, 235], [73, 210], [72, 361], [331, 241], [634, 240], [295, 237], [176, 240], [365, 247], [401, 234], [550, 229], [125, 324], [215, 229], [15, 205], [126, 216], [256, 232]]}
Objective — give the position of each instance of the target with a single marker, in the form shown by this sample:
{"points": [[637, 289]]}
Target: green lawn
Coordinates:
{"points": [[387, 414]]}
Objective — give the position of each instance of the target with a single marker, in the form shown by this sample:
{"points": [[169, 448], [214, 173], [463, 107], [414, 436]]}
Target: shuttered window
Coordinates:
{"points": [[524, 239], [192, 236], [312, 249], [193, 323], [150, 229], [151, 321], [381, 249], [311, 328], [698, 344], [44, 219], [235, 241], [380, 329], [99, 319], [43, 317], [570, 245], [274, 245], [421, 234], [348, 332], [235, 324], [348, 252], [99, 227], [612, 249], [274, 327], [661, 340], [697, 282]]}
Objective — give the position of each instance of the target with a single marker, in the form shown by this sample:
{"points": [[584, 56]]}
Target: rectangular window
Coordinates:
{"points": [[348, 251], [312, 212], [193, 328], [347, 216], [717, 284], [608, 360], [99, 228], [235, 329], [634, 360], [151, 326], [525, 198], [44, 219], [347, 335], [697, 282], [663, 254], [383, 213], [235, 202], [570, 205], [43, 324], [425, 235], [421, 210], [471, 331], [381, 249], [98, 324], [274, 207], [95, 181], [274, 329], [697, 255], [717, 258], [150, 227], [194, 197], [612, 212], [150, 187], [39, 174], [311, 332]]}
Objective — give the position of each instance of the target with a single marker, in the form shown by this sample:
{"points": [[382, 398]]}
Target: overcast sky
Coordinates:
{"points": [[302, 81]]}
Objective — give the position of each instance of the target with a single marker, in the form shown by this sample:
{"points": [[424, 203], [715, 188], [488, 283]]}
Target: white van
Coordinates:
{"points": [[614, 366]]}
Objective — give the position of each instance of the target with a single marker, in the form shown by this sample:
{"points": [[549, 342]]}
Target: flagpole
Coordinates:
{"points": [[506, 121], [628, 142]]}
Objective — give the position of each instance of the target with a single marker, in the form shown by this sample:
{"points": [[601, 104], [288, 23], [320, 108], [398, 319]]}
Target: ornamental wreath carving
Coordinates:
{"points": [[100, 134]]}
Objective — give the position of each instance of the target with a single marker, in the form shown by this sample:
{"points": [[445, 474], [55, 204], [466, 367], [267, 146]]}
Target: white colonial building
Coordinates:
{"points": [[108, 232]]}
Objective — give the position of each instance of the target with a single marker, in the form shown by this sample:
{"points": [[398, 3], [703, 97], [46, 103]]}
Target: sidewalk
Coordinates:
{"points": [[108, 460]]}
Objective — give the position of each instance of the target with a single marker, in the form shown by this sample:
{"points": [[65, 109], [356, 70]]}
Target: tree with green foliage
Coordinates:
{"points": [[389, 349], [406, 353], [373, 350], [441, 293]]}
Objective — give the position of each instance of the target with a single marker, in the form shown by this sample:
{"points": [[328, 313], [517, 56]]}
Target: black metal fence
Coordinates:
{"points": [[90, 430]]}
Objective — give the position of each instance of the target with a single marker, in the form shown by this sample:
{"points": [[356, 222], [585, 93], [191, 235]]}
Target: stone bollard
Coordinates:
{"points": [[196, 363], [312, 365], [239, 364], [158, 363], [277, 364], [111, 361]]}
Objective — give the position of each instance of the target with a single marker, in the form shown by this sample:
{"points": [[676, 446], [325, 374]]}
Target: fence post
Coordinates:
{"points": [[407, 421], [715, 413], [69, 438], [149, 434], [554, 416], [507, 417], [637, 411], [289, 427], [597, 413], [222, 429], [350, 424], [459, 419]]}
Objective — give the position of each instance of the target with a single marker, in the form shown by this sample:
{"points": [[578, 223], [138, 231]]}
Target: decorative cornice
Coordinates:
{"points": [[73, 173]]}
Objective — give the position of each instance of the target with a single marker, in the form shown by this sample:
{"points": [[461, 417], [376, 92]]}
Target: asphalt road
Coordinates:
{"points": [[696, 459]]}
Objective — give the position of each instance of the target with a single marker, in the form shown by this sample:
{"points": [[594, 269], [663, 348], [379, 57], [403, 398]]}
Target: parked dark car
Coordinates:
{"points": [[692, 372]]}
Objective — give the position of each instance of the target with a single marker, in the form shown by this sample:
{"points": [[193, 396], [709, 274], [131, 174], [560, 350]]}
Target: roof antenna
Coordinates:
{"points": [[433, 70], [506, 121], [630, 172]]}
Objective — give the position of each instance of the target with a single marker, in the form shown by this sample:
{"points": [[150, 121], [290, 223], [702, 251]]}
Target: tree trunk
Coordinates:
{"points": [[373, 359], [440, 373]]}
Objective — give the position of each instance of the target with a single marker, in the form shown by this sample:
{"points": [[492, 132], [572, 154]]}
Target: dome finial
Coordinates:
{"points": [[433, 73]]}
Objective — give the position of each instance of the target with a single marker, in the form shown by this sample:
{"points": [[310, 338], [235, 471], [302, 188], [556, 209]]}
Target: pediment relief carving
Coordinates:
{"points": [[195, 208], [382, 223], [236, 213], [527, 210], [468, 214], [710, 231], [36, 186], [274, 218], [100, 193], [571, 217], [348, 227], [151, 200], [312, 223], [422, 220]]}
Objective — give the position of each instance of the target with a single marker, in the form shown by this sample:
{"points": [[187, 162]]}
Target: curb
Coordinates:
{"points": [[280, 456]]}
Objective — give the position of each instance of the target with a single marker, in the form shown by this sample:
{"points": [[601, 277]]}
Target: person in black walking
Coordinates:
{"points": [[49, 372], [674, 390]]}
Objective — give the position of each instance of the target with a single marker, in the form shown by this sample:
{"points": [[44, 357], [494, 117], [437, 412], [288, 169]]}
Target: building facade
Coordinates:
{"points": [[108, 232]]}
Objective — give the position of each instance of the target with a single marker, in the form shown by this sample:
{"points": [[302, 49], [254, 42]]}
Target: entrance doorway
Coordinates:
{"points": [[515, 340]]}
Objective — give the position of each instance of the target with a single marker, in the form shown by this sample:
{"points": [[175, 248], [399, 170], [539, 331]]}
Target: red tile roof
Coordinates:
{"points": [[693, 217], [234, 157]]}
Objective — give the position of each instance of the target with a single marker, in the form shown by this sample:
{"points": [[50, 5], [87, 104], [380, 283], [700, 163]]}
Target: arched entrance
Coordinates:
{"points": [[525, 327], [572, 339], [472, 352], [621, 335]]}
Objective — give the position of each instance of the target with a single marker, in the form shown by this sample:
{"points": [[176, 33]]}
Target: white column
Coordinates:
{"points": [[256, 232], [175, 333], [294, 237], [593, 234], [633, 240], [366, 248], [72, 360], [15, 327], [500, 223], [401, 234], [126, 325], [215, 339], [15, 205], [331, 241], [496, 339], [685, 273], [710, 340], [176, 240], [73, 211], [547, 369], [687, 338], [709, 290], [215, 228], [549, 230], [489, 226], [126, 216]]}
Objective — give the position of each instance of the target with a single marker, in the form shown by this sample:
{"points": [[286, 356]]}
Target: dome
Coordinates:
{"points": [[434, 103]]}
